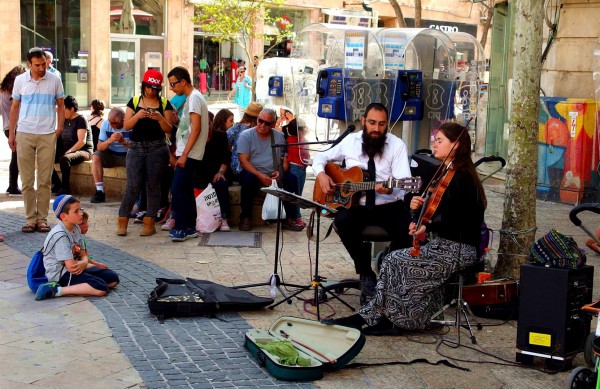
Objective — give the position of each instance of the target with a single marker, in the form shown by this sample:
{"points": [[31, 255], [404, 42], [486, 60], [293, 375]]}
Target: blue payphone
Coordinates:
{"points": [[330, 84], [275, 86], [408, 100], [334, 89]]}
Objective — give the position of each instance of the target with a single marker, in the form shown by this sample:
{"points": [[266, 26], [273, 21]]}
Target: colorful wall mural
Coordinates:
{"points": [[567, 150]]}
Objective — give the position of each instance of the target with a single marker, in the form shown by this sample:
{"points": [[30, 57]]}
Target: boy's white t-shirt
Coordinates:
{"points": [[58, 248], [195, 104]]}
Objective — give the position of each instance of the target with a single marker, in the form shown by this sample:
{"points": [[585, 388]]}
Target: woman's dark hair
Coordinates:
{"points": [[144, 85], [71, 102], [250, 120], [9, 79], [97, 107], [462, 154], [220, 119]]}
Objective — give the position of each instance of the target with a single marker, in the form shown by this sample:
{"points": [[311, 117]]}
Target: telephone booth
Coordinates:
{"points": [[471, 96], [279, 81], [424, 61], [347, 75]]}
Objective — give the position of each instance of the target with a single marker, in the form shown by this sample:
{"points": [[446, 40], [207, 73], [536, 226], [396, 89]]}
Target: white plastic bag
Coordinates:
{"points": [[269, 209], [208, 210]]}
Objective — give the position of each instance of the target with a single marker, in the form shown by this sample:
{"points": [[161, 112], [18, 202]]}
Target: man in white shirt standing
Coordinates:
{"points": [[192, 135], [38, 110], [385, 155]]}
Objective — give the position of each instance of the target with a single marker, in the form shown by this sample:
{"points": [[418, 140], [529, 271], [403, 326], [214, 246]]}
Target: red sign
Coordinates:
{"points": [[284, 22]]}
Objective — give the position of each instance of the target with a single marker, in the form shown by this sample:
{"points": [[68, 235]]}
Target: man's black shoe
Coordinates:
{"points": [[13, 191], [98, 197]]}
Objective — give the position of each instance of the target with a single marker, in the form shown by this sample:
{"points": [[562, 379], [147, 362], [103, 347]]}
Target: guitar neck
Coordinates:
{"points": [[361, 186]]}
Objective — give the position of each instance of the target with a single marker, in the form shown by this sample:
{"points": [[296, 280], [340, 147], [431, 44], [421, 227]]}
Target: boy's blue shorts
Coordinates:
{"points": [[97, 278]]}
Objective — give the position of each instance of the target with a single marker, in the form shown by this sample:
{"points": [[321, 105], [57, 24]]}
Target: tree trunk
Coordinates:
{"points": [[519, 221], [398, 12], [418, 13], [487, 25]]}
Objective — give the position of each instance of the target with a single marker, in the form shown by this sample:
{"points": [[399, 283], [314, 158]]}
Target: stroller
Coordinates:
{"points": [[584, 377]]}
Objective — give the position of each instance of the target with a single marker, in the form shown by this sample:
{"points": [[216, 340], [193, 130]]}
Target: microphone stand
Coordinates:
{"points": [[274, 279]]}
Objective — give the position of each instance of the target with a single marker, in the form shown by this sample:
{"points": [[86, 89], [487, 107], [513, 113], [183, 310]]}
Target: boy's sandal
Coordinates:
{"points": [[28, 228], [43, 227]]}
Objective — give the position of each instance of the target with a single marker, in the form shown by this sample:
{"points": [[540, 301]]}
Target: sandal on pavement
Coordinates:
{"points": [[592, 245], [43, 227], [28, 228]]}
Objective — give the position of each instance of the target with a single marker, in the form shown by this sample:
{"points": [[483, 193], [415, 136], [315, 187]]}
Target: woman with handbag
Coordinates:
{"points": [[213, 167], [410, 288]]}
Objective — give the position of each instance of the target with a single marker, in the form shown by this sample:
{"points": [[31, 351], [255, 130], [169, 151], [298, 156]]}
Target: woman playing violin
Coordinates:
{"points": [[410, 289]]}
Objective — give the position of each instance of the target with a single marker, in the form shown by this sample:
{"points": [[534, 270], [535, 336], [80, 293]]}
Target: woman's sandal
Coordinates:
{"points": [[28, 228], [592, 245], [43, 227]]}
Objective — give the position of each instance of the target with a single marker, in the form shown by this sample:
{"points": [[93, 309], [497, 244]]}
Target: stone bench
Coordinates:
{"points": [[115, 180]]}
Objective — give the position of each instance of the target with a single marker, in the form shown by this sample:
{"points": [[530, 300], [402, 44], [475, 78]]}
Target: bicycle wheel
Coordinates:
{"points": [[581, 378]]}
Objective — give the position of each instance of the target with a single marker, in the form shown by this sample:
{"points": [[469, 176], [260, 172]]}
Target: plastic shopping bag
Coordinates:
{"points": [[269, 209], [208, 210]]}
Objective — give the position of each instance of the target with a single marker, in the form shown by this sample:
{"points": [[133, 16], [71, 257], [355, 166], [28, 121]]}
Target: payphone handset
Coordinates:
{"points": [[408, 100], [275, 84], [330, 89]]}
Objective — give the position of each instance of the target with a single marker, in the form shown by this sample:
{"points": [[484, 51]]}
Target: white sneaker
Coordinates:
{"points": [[224, 226]]}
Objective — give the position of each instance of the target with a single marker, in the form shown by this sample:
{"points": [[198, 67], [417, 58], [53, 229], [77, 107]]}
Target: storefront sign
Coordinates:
{"points": [[444, 26]]}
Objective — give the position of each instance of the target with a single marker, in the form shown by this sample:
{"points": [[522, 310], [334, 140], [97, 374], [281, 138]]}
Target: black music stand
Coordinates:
{"points": [[317, 279], [274, 278]]}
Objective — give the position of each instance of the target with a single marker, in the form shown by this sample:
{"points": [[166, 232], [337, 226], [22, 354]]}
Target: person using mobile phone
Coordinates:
{"points": [[149, 116]]}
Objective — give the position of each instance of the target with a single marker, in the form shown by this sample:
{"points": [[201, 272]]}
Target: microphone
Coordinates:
{"points": [[348, 131]]}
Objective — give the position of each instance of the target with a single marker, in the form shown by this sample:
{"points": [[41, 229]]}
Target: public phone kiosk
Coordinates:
{"points": [[471, 95], [285, 81], [349, 75], [424, 60]]}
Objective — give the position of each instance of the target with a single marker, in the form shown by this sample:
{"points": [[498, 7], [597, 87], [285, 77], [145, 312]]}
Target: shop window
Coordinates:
{"points": [[139, 17], [58, 26]]}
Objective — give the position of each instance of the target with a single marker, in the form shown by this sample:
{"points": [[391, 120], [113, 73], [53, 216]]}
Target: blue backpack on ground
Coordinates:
{"points": [[36, 272]]}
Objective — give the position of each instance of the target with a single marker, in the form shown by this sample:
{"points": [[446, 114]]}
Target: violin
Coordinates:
{"points": [[434, 193]]}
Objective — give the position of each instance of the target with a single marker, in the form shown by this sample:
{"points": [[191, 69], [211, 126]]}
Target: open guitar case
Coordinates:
{"points": [[328, 347], [192, 297]]}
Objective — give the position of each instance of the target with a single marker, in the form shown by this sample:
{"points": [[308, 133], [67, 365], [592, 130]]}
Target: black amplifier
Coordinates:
{"points": [[551, 323]]}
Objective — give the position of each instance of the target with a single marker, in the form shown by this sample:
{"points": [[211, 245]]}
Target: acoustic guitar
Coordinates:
{"points": [[492, 292], [350, 182]]}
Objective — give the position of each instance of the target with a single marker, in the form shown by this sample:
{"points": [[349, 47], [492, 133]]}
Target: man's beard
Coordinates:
{"points": [[372, 146]]}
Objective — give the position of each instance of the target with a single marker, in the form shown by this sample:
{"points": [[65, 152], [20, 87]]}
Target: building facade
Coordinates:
{"points": [[103, 47]]}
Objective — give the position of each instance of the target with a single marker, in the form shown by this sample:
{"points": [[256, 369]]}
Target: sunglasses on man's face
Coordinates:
{"points": [[266, 123]]}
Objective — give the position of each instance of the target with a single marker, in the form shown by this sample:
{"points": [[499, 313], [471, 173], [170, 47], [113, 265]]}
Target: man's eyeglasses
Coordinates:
{"points": [[266, 123], [174, 83], [116, 122], [35, 50]]}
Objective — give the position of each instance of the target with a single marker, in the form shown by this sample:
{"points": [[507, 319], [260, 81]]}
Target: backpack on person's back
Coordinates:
{"points": [[36, 272]]}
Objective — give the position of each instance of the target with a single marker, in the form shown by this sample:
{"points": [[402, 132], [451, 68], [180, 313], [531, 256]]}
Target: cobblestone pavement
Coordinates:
{"points": [[207, 352], [115, 342]]}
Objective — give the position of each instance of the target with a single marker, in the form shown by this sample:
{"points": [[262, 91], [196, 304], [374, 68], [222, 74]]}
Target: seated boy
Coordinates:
{"points": [[68, 267]]}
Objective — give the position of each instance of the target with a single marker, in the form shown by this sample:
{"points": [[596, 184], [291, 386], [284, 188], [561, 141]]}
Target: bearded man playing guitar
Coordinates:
{"points": [[383, 207]]}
